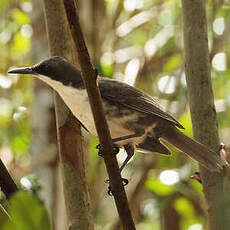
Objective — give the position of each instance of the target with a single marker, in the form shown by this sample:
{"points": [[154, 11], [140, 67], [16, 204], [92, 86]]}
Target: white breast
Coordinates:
{"points": [[78, 102]]}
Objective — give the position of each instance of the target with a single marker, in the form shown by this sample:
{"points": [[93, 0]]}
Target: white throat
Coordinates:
{"points": [[76, 100]]}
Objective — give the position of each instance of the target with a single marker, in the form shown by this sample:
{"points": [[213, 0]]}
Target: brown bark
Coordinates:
{"points": [[170, 219], [68, 129], [89, 78], [202, 107]]}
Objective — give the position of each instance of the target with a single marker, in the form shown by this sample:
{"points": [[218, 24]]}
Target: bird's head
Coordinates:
{"points": [[53, 69]]}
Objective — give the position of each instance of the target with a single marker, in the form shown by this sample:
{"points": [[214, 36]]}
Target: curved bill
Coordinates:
{"points": [[26, 70]]}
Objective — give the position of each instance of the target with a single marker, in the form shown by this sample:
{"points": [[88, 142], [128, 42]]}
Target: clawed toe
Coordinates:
{"points": [[115, 149], [110, 192], [101, 154]]}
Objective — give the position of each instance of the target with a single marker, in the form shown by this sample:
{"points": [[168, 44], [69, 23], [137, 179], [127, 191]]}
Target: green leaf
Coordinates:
{"points": [[196, 186], [4, 3], [187, 123], [18, 145], [184, 207], [20, 45], [107, 70], [27, 213], [20, 17], [154, 185], [173, 63]]}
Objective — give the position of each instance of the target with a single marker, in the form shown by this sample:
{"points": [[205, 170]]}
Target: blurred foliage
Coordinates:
{"points": [[14, 44], [159, 188], [26, 213], [139, 41]]}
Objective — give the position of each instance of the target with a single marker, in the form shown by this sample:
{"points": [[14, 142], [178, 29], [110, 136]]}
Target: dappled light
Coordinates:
{"points": [[167, 84], [131, 71], [219, 62], [169, 177], [219, 26]]}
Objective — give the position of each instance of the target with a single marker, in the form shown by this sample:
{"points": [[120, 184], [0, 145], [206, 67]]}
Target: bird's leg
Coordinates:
{"points": [[130, 152], [138, 133]]}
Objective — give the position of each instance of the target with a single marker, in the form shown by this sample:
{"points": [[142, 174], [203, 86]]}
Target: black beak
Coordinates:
{"points": [[26, 70]]}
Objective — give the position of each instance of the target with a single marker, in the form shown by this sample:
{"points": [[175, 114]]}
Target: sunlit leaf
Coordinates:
{"points": [[173, 63], [184, 207], [4, 3], [157, 187], [107, 70], [4, 121], [196, 186], [20, 45], [138, 37], [185, 120], [20, 17], [20, 144], [169, 46]]}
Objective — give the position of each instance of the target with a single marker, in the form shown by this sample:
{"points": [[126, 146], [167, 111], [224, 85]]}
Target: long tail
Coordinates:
{"points": [[195, 150]]}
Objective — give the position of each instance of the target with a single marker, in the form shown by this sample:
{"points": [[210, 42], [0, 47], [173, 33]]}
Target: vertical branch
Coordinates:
{"points": [[89, 78], [202, 107], [68, 128]]}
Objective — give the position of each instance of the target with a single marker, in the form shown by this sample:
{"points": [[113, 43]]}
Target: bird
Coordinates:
{"points": [[135, 120]]}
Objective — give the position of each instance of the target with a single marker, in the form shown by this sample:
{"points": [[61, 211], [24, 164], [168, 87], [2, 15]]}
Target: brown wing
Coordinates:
{"points": [[131, 97]]}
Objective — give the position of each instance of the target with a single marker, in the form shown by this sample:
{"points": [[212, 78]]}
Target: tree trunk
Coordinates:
{"points": [[203, 113], [68, 128]]}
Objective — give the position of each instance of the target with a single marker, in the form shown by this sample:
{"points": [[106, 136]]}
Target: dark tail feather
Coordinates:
{"points": [[195, 150]]}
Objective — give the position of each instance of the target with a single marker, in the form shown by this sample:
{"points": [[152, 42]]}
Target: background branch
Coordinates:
{"points": [[7, 184]]}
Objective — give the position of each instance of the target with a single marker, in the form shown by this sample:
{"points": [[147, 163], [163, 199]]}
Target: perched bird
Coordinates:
{"points": [[135, 119]]}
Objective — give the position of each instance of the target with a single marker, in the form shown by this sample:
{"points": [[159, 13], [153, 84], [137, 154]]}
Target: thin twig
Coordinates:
{"points": [[89, 78], [4, 212]]}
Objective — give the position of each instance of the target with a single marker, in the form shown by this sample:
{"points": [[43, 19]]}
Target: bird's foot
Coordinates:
{"points": [[110, 192], [101, 154]]}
